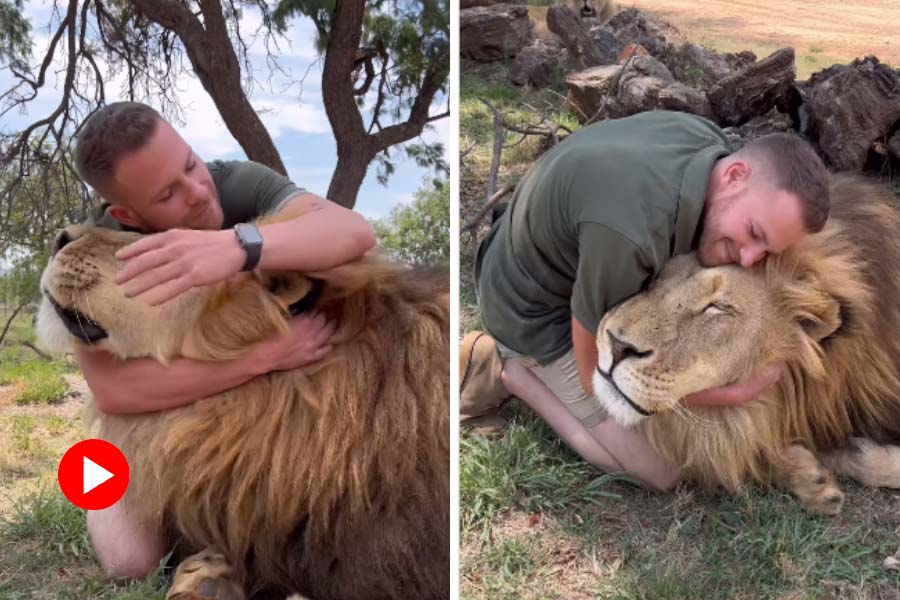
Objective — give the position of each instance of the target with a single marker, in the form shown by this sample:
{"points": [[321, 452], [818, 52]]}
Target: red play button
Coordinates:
{"points": [[93, 474]]}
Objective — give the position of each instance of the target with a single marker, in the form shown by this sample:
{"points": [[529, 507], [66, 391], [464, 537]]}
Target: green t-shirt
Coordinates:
{"points": [[246, 189], [591, 222]]}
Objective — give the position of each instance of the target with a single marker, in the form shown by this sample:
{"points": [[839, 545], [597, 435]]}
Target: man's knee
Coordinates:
{"points": [[124, 547]]}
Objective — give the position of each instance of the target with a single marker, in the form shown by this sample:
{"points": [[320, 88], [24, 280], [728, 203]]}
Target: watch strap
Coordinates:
{"points": [[253, 249]]}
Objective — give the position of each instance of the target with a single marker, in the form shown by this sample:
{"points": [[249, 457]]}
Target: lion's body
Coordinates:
{"points": [[829, 309], [332, 480]]}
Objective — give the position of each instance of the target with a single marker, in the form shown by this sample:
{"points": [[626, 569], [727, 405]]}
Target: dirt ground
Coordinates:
{"points": [[846, 29], [835, 33]]}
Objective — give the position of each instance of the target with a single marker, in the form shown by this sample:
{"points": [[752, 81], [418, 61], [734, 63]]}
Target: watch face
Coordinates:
{"points": [[249, 234]]}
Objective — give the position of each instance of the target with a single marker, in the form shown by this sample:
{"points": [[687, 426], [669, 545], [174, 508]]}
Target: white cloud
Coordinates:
{"points": [[280, 116]]}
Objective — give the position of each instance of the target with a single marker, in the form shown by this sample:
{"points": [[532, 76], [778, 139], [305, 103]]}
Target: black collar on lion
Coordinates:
{"points": [[308, 301], [79, 324], [630, 402]]}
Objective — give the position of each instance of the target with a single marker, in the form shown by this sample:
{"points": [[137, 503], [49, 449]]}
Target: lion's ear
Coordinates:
{"points": [[819, 316], [288, 287]]}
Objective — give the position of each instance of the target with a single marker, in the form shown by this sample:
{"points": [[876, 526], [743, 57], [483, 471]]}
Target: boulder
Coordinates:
{"points": [[582, 50], [490, 33], [537, 65], [848, 108], [755, 90]]}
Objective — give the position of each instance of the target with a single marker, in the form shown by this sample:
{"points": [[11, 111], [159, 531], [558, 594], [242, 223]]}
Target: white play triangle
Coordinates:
{"points": [[94, 475]]}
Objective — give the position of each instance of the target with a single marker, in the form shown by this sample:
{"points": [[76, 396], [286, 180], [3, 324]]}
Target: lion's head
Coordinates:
{"points": [[698, 328], [83, 304]]}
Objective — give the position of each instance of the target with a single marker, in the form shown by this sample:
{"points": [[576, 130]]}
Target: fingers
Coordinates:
{"points": [[144, 244], [166, 291], [147, 260], [152, 278]]}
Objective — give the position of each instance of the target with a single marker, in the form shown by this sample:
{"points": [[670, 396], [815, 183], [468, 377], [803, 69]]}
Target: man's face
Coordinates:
{"points": [[164, 185], [747, 219]]}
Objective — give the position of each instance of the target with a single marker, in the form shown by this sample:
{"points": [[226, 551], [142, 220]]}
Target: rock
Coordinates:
{"points": [[755, 90], [641, 84], [772, 122], [606, 44], [629, 52], [657, 36], [489, 33], [644, 65], [891, 563], [582, 51], [699, 67], [537, 65], [591, 92], [893, 145], [847, 108], [463, 4]]}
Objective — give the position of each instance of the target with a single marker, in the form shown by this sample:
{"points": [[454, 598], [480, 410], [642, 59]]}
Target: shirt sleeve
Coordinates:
{"points": [[253, 189], [611, 268]]}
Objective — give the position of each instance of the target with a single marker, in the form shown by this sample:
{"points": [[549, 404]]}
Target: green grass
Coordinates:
{"points": [[628, 543], [47, 554], [41, 380], [526, 469]]}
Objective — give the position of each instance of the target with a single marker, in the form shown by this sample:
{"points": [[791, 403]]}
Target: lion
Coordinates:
{"points": [[331, 480], [593, 12], [828, 310]]}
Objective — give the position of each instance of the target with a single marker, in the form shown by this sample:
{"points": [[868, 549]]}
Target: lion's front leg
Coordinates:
{"points": [[802, 473], [205, 576]]}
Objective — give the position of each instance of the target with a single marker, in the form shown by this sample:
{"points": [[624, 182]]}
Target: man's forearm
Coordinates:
{"points": [[584, 348], [323, 235], [145, 385]]}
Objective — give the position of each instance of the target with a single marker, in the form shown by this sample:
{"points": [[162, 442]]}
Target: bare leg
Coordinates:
{"points": [[606, 445], [125, 546]]}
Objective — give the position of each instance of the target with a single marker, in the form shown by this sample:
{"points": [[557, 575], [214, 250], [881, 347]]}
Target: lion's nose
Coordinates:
{"points": [[622, 350], [67, 235], [61, 240]]}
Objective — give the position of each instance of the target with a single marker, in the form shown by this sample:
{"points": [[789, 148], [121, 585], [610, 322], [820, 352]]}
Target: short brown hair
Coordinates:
{"points": [[109, 134], [795, 167]]}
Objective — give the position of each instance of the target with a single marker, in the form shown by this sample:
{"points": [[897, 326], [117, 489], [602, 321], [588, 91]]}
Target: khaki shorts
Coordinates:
{"points": [[561, 376]]}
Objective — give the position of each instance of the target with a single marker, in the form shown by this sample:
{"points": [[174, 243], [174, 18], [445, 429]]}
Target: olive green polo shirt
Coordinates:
{"points": [[246, 190], [591, 223]]}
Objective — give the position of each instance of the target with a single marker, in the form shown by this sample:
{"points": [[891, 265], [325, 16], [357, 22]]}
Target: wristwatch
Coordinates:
{"points": [[251, 241]]}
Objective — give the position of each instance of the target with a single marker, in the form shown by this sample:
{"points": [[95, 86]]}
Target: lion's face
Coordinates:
{"points": [[83, 304], [694, 329]]}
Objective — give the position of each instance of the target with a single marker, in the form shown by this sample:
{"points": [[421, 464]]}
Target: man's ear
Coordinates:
{"points": [[738, 171], [124, 215]]}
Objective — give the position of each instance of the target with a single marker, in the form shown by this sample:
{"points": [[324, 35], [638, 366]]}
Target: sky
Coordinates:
{"points": [[297, 123]]}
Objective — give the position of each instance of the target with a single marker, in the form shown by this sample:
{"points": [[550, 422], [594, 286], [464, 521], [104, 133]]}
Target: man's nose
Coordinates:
{"points": [[196, 192], [750, 254]]}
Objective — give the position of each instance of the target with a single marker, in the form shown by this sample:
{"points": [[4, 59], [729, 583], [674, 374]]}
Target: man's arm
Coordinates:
{"points": [[320, 235], [145, 385], [584, 347]]}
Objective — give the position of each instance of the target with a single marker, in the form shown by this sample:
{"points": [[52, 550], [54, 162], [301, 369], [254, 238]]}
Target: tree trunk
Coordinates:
{"points": [[349, 174], [356, 147], [214, 61]]}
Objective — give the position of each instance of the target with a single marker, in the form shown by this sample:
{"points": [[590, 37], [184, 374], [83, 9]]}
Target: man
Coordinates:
{"points": [[153, 182], [592, 223]]}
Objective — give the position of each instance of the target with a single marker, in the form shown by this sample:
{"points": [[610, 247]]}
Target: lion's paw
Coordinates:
{"points": [[813, 484], [205, 576]]}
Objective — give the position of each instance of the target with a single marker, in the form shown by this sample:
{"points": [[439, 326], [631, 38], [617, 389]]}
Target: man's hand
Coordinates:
{"points": [[736, 393], [164, 265], [307, 342]]}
